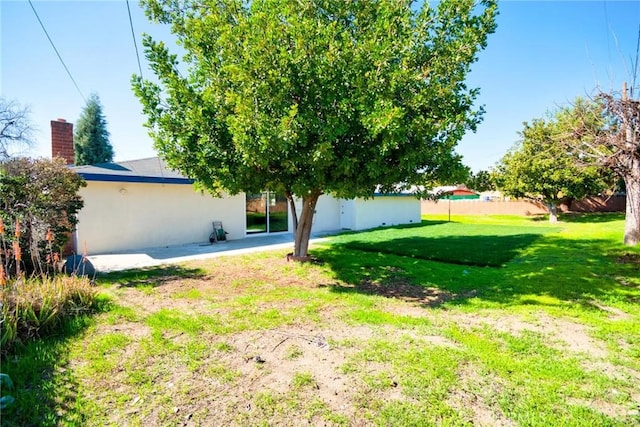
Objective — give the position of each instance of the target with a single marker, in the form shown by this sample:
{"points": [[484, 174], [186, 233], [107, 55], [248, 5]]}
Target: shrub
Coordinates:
{"points": [[32, 308], [39, 201]]}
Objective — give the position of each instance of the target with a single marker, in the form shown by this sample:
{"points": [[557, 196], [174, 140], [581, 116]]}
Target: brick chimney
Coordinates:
{"points": [[62, 140]]}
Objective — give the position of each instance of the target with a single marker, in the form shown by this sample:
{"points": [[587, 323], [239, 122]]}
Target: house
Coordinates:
{"points": [[455, 192], [142, 203]]}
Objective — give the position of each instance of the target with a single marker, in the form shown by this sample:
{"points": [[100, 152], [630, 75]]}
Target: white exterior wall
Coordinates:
{"points": [[359, 214], [120, 216], [348, 214], [386, 210], [327, 216]]}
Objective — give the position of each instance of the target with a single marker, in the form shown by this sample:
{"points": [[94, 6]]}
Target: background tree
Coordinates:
{"points": [[480, 181], [311, 98], [539, 167], [43, 195], [606, 133], [15, 127], [91, 139]]}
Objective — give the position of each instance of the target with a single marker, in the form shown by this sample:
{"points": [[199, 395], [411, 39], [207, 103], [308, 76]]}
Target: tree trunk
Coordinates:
{"points": [[553, 212], [632, 216], [292, 206], [305, 220]]}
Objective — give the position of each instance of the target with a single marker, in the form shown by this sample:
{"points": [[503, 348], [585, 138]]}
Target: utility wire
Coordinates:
{"points": [[133, 34], [607, 29], [57, 53]]}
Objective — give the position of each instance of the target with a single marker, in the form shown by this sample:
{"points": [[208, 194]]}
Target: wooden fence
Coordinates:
{"points": [[520, 207]]}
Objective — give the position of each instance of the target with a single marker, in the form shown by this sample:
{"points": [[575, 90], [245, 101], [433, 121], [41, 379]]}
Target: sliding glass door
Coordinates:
{"points": [[267, 212], [256, 213]]}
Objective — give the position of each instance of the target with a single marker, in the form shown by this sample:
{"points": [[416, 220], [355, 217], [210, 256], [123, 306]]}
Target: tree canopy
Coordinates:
{"points": [[480, 181], [605, 132], [91, 139], [539, 167], [311, 98]]}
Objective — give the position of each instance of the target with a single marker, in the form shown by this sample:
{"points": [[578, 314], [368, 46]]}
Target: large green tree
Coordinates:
{"points": [[91, 139], [539, 167], [314, 97]]}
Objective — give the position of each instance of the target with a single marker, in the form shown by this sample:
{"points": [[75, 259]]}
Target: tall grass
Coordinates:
{"points": [[34, 307]]}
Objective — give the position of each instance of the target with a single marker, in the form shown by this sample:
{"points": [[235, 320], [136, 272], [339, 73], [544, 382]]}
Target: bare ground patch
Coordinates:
{"points": [[237, 372], [476, 397], [232, 373], [608, 408], [563, 334], [197, 293], [403, 289]]}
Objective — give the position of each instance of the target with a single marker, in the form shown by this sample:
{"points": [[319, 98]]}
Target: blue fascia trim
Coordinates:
{"points": [[134, 178]]}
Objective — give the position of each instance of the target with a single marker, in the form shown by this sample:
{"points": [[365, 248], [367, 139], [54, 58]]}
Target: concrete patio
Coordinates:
{"points": [[104, 263]]}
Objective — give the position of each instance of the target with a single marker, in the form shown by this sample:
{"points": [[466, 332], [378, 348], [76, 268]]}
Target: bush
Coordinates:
{"points": [[32, 308], [39, 201]]}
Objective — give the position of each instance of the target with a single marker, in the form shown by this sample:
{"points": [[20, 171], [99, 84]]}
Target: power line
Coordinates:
{"points": [[133, 34], [607, 28], [57, 53]]}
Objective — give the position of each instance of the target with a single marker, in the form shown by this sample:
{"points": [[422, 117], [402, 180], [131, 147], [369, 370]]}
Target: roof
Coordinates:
{"points": [[150, 170]]}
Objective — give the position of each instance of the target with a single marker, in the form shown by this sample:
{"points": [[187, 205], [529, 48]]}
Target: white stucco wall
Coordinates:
{"points": [[327, 216], [359, 214], [385, 211], [347, 214], [127, 216]]}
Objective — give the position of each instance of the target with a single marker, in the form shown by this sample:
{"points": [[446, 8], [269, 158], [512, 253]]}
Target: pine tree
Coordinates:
{"points": [[91, 140]]}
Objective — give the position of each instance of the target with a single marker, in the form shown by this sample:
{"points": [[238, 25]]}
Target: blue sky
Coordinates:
{"points": [[543, 55]]}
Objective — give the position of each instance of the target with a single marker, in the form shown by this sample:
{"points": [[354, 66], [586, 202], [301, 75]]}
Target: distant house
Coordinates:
{"points": [[141, 204], [455, 192]]}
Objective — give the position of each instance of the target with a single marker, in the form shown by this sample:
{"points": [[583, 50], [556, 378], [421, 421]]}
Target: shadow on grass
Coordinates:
{"points": [[152, 276], [551, 271], [44, 388], [592, 218], [560, 270], [401, 288], [482, 251], [422, 223]]}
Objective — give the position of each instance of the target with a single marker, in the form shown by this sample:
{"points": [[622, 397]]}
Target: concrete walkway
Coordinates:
{"points": [[176, 254]]}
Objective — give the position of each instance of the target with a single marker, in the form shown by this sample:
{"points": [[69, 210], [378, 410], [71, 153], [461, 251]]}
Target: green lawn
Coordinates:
{"points": [[373, 333], [450, 242]]}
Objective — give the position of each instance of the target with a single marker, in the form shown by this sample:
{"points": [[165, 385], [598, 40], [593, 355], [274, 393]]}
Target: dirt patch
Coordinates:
{"points": [[613, 313], [629, 258], [271, 360], [132, 330], [403, 289], [607, 408], [476, 397], [197, 293], [615, 372], [575, 336], [563, 334]]}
